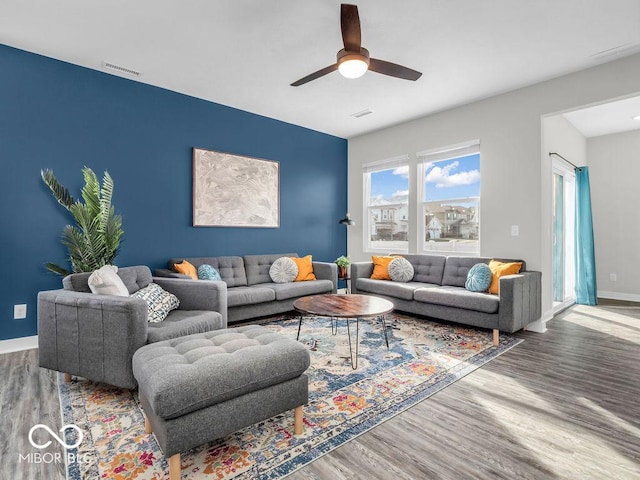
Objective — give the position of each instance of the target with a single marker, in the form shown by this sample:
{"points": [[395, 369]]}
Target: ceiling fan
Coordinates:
{"points": [[354, 60]]}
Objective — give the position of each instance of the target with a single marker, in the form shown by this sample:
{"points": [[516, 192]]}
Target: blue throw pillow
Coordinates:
{"points": [[478, 278], [207, 272]]}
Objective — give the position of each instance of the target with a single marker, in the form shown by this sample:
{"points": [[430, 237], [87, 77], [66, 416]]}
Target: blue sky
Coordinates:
{"points": [[455, 178]]}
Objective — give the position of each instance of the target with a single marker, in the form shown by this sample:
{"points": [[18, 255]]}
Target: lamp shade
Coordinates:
{"points": [[347, 221]]}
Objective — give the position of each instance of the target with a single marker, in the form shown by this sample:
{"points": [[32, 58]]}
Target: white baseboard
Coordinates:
{"points": [[17, 344], [629, 297], [539, 326]]}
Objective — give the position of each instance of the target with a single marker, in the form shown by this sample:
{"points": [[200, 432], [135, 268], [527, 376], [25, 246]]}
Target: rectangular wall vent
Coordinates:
{"points": [[120, 69], [362, 113]]}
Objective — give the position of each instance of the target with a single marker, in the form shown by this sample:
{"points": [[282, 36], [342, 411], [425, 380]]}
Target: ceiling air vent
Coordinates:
{"points": [[362, 113], [120, 69]]}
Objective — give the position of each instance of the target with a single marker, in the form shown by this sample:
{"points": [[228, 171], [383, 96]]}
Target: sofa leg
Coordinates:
{"points": [[147, 425], [67, 377], [175, 471], [496, 337], [298, 424]]}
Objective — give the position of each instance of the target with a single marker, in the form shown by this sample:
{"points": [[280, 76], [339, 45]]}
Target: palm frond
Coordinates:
{"points": [[52, 267], [60, 193], [106, 193], [91, 191]]}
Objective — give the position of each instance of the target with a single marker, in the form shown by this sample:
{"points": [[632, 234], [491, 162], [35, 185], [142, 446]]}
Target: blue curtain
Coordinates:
{"points": [[586, 287]]}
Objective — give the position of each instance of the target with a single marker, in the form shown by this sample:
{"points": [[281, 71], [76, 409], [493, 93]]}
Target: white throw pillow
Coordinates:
{"points": [[283, 270], [159, 301], [400, 270], [105, 281]]}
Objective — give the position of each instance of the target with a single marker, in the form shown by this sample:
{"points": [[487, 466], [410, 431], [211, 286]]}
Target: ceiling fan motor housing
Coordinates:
{"points": [[345, 55]]}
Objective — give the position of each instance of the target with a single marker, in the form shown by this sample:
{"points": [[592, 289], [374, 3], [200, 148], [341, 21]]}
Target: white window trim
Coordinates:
{"points": [[379, 165]]}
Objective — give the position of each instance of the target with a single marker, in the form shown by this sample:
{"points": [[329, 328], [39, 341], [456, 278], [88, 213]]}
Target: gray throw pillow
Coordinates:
{"points": [[283, 270], [400, 270], [159, 301]]}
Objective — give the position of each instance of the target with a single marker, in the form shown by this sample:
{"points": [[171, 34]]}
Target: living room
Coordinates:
{"points": [[59, 114]]}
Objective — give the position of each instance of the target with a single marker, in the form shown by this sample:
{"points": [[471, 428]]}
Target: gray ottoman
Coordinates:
{"points": [[201, 387]]}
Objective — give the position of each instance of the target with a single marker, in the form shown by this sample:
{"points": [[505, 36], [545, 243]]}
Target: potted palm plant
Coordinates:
{"points": [[343, 263], [95, 239]]}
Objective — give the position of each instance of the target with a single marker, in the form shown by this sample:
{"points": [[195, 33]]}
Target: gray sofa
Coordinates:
{"points": [[437, 290], [95, 336], [250, 291]]}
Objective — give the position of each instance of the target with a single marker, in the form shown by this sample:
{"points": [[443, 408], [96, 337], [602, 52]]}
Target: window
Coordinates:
{"points": [[386, 191], [450, 200]]}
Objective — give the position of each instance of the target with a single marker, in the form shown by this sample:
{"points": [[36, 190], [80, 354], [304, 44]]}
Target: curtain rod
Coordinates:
{"points": [[569, 162]]}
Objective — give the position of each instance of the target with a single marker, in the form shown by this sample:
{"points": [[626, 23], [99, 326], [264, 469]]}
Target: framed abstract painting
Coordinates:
{"points": [[234, 190]]}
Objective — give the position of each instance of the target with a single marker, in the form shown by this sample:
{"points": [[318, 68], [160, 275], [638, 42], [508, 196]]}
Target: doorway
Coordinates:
{"points": [[564, 182]]}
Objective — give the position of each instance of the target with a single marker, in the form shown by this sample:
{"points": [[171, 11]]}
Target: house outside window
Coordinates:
{"points": [[450, 200], [386, 194]]}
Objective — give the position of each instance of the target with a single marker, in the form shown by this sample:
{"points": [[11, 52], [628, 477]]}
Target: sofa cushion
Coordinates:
{"points": [[284, 291], [458, 297], [257, 266], [389, 288], [231, 269], [239, 296], [184, 322], [427, 268], [456, 269]]}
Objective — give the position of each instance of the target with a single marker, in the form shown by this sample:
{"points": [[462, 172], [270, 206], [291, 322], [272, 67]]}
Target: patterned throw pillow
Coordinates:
{"points": [[400, 270], [207, 272], [283, 270], [159, 301], [478, 278]]}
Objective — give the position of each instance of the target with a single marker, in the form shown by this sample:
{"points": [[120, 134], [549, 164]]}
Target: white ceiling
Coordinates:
{"points": [[608, 118], [245, 53]]}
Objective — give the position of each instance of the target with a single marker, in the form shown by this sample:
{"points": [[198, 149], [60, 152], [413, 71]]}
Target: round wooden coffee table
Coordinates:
{"points": [[350, 307]]}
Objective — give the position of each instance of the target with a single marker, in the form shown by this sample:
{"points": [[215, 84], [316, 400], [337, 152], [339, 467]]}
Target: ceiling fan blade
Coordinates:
{"points": [[393, 70], [350, 25], [314, 75]]}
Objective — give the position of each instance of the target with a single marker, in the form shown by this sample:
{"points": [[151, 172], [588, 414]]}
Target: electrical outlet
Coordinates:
{"points": [[20, 311], [613, 277], [515, 230]]}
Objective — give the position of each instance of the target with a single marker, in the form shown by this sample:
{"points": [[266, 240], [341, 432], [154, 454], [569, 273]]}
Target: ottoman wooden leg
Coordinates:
{"points": [[147, 425], [67, 377], [298, 425], [174, 467]]}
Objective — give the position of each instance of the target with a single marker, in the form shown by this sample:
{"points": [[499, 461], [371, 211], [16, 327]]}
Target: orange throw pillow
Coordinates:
{"points": [[186, 268], [381, 267], [500, 269], [305, 269]]}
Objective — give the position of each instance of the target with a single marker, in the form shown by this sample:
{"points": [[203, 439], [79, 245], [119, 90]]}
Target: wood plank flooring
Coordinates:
{"points": [[561, 405]]}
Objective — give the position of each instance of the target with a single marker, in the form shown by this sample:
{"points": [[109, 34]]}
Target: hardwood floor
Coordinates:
{"points": [[561, 405]]}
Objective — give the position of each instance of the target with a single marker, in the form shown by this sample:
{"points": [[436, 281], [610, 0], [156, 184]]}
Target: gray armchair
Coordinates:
{"points": [[95, 336]]}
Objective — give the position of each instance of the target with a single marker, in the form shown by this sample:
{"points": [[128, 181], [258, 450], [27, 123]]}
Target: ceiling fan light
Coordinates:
{"points": [[353, 68]]}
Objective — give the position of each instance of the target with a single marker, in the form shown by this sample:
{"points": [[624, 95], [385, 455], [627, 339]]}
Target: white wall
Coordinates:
{"points": [[614, 174], [515, 171]]}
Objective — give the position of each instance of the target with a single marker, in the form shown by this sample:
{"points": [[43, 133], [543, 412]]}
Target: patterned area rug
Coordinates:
{"points": [[423, 357]]}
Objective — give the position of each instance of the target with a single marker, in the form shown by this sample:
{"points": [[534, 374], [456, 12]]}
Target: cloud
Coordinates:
{"points": [[402, 171], [443, 177], [400, 193]]}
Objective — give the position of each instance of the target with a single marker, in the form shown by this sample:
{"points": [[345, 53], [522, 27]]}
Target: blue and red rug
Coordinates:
{"points": [[423, 357]]}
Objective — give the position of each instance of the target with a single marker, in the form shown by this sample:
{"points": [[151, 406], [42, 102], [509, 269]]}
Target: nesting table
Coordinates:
{"points": [[350, 307]]}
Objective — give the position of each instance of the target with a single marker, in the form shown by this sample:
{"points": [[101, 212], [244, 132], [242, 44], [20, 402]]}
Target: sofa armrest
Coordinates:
{"points": [[360, 270], [165, 272], [326, 271], [90, 335], [520, 300], [197, 294]]}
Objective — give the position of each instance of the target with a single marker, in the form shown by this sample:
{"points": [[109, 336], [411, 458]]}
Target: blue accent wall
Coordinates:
{"points": [[60, 116]]}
